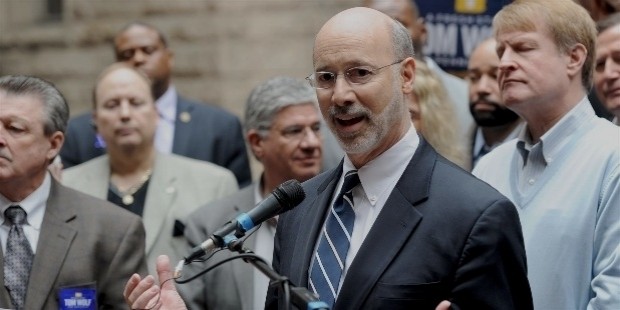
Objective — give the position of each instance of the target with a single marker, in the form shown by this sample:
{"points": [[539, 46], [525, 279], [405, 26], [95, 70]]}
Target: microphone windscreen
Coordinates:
{"points": [[289, 194]]}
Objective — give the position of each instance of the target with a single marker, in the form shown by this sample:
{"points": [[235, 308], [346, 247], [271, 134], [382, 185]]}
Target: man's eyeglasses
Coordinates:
{"points": [[355, 75], [298, 132]]}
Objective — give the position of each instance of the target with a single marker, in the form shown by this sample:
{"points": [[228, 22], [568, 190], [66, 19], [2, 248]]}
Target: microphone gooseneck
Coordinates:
{"points": [[284, 198]]}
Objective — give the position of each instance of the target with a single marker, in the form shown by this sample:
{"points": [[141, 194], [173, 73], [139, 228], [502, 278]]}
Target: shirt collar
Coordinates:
{"points": [[34, 204], [479, 142], [556, 137], [167, 104], [378, 175]]}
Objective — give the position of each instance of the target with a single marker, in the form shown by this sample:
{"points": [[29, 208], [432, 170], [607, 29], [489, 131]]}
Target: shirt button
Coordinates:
{"points": [[373, 199], [531, 181]]}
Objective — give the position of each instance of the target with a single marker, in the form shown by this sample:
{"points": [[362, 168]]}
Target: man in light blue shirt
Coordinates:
{"points": [[563, 171]]}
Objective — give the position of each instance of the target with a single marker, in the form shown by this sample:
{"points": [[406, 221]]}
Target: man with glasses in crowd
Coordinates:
{"points": [[408, 229], [283, 130]]}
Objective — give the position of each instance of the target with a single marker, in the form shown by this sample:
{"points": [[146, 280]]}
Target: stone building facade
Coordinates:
{"points": [[223, 48]]}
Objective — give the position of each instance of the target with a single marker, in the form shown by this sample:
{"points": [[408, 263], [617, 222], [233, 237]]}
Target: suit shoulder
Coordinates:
{"points": [[462, 187], [212, 214], [75, 174], [194, 166], [80, 121], [95, 208], [207, 109]]}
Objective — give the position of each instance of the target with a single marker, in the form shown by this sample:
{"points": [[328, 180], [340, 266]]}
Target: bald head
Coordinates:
{"points": [[364, 26], [486, 49]]}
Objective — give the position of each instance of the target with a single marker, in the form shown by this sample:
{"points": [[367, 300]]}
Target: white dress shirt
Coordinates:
{"points": [[34, 205], [167, 108]]}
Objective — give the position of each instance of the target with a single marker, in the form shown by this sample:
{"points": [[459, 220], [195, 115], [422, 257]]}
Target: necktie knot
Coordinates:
{"points": [[16, 215], [351, 180]]}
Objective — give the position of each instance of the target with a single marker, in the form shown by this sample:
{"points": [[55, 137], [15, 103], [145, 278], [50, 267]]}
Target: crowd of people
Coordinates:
{"points": [[500, 190]]}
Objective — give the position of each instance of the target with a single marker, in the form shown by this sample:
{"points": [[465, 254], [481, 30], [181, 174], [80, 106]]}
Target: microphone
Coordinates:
{"points": [[285, 197]]}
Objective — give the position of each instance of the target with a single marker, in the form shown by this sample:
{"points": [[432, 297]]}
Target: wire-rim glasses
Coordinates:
{"points": [[355, 75]]}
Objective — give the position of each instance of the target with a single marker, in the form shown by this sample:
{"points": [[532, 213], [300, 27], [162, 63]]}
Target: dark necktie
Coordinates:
{"points": [[483, 151], [332, 251], [18, 258]]}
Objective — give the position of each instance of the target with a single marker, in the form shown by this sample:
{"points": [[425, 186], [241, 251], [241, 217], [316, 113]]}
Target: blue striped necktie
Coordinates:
{"points": [[334, 244]]}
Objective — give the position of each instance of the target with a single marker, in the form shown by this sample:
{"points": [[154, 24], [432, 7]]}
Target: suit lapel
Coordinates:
{"points": [[392, 228], [160, 196], [182, 127], [55, 240], [311, 225]]}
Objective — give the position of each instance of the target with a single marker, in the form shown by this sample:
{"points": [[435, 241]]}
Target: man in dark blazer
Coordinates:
{"points": [[80, 244], [425, 233], [196, 130], [425, 230]]}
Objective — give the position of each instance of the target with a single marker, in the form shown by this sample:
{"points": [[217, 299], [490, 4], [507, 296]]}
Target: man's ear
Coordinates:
{"points": [[408, 74], [576, 58], [56, 140], [255, 141]]}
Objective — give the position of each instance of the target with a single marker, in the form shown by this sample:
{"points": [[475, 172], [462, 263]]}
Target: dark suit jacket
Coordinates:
{"points": [[230, 286], [82, 240], [210, 134], [442, 234]]}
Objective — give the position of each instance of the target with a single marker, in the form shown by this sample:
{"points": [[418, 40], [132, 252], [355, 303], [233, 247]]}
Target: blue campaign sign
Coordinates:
{"points": [[455, 27]]}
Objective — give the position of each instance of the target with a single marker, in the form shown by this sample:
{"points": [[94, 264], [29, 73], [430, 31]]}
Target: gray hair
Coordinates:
{"points": [[401, 41], [56, 109], [608, 22], [268, 98]]}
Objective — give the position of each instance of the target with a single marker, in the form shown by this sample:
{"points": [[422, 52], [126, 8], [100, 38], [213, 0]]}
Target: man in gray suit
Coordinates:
{"points": [[66, 244], [282, 126], [162, 188]]}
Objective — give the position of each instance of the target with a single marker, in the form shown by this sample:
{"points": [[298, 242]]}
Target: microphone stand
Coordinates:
{"points": [[301, 297]]}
